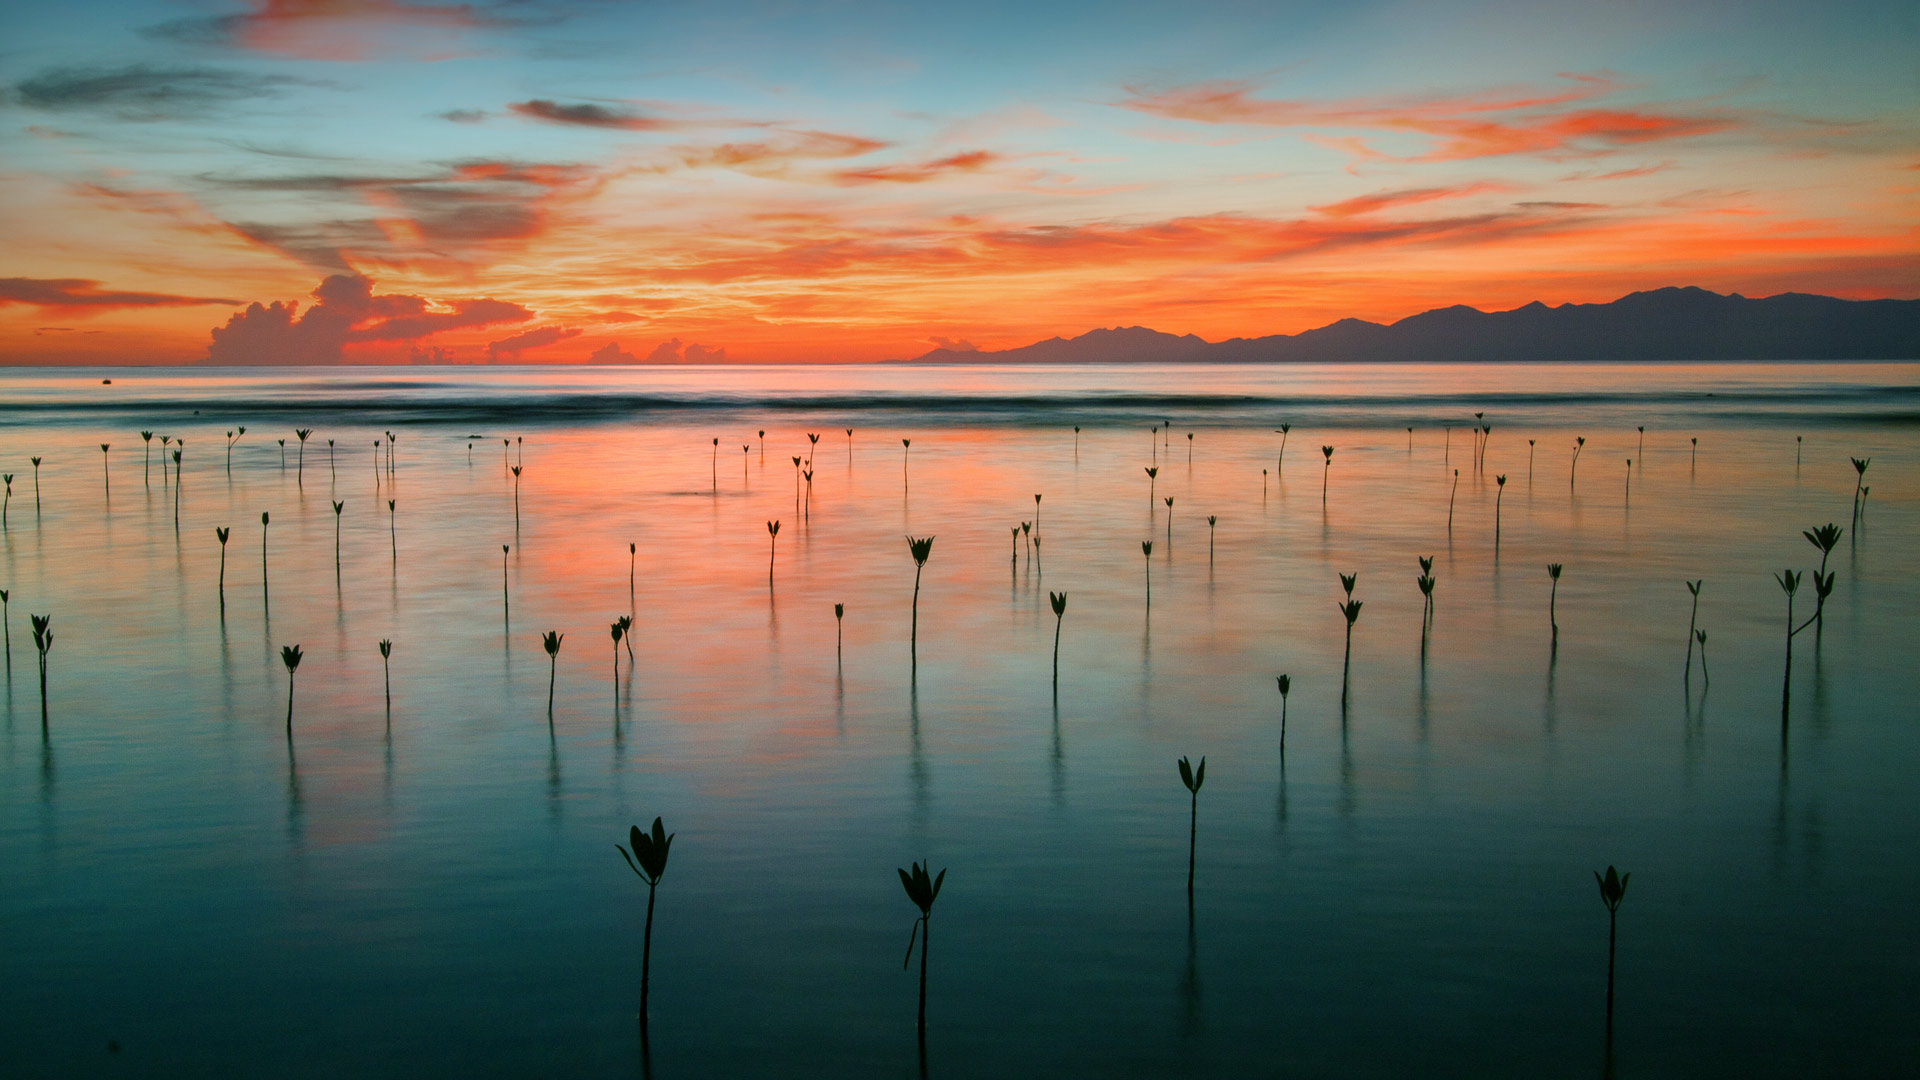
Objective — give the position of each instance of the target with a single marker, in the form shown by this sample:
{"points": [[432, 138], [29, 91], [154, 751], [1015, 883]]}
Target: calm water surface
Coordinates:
{"points": [[1411, 892]]}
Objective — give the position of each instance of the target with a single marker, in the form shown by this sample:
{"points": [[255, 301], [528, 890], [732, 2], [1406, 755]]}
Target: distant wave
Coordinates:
{"points": [[426, 403]]}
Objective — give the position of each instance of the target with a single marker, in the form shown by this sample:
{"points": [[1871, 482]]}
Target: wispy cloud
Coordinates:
{"points": [[82, 294], [589, 114], [1564, 122], [920, 172], [340, 29], [1392, 200], [144, 93], [509, 349]]}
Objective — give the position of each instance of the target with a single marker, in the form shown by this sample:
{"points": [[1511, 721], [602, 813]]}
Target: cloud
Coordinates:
{"points": [[612, 353], [463, 116], [509, 349], [337, 29], [590, 115], [920, 172], [143, 93], [346, 312], [952, 345], [674, 352], [771, 157], [1549, 123], [80, 294], [1388, 200]]}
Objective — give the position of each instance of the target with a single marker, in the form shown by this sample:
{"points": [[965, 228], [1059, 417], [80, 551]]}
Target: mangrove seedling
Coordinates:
{"points": [[1153, 475], [333, 473], [1553, 598], [223, 532], [1325, 471], [234, 437], [290, 656], [106, 471], [1285, 683], [906, 448], [1529, 464], [648, 860], [773, 534], [393, 531], [1036, 512], [386, 671], [300, 476], [1016, 544], [920, 547], [923, 891], [618, 631], [1146, 551], [1211, 520], [1501, 480], [8, 504], [1280, 463], [1192, 778], [283, 456], [1859, 479], [1628, 499], [1059, 602], [626, 634], [43, 641], [1613, 888], [6, 631], [839, 627], [516, 499], [849, 448], [1351, 609], [551, 642], [1189, 448], [1701, 636], [146, 456], [506, 601], [36, 488], [1579, 444], [1693, 620], [264, 600], [1693, 452], [337, 507], [1641, 450], [1826, 538], [1347, 582], [1451, 493], [1169, 522]]}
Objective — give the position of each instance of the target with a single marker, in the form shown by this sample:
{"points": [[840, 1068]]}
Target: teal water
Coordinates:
{"points": [[1411, 892]]}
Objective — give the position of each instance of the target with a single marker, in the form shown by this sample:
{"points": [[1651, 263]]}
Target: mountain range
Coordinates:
{"points": [[1671, 324]]}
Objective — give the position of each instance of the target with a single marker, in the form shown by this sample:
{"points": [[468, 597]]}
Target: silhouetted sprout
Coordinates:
{"points": [[233, 437], [923, 891], [283, 455], [1501, 480], [222, 532], [1797, 448], [632, 551], [1579, 444], [1701, 636], [386, 671], [716, 460], [6, 631], [1613, 889], [648, 860], [1026, 530], [1192, 778], [1189, 447], [1325, 471], [301, 475], [1426, 582], [332, 472], [849, 448], [1146, 551], [1826, 538], [263, 558], [1169, 500], [839, 627], [177, 486], [393, 530], [1285, 682], [1076, 442], [1628, 499], [36, 488], [920, 547], [1015, 540], [1529, 464], [290, 656], [1347, 582], [1693, 452], [1553, 599], [1351, 609], [1790, 584], [1693, 620], [773, 533], [1280, 463], [1153, 475], [626, 635], [906, 448], [1211, 521], [8, 504], [1059, 602], [1859, 479], [1036, 512], [146, 455], [551, 642], [106, 471], [506, 602], [337, 507], [43, 641], [618, 630]]}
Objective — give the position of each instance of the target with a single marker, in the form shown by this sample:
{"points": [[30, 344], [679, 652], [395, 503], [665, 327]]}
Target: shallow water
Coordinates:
{"points": [[1411, 891]]}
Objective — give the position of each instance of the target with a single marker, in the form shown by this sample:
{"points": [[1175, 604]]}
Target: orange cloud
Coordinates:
{"points": [[590, 115], [921, 172], [79, 295], [347, 312], [336, 29], [1388, 200], [1488, 124]]}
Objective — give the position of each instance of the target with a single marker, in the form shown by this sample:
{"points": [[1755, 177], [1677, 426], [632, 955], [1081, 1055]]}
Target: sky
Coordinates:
{"points": [[585, 181]]}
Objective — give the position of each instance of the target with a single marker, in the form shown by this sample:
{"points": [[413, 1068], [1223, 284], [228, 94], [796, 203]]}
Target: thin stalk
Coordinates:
{"points": [[646, 958], [1613, 920], [1193, 836]]}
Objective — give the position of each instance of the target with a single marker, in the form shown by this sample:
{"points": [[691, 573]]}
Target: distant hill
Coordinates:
{"points": [[1664, 324]]}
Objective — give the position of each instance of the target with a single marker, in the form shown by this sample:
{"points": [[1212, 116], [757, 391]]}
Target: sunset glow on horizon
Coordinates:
{"points": [[379, 181]]}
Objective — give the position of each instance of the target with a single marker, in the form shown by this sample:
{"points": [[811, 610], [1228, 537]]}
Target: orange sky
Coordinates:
{"points": [[471, 188]]}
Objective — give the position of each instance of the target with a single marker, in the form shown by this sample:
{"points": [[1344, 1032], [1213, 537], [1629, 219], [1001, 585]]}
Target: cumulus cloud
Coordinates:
{"points": [[674, 352], [953, 345], [346, 311], [612, 353]]}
